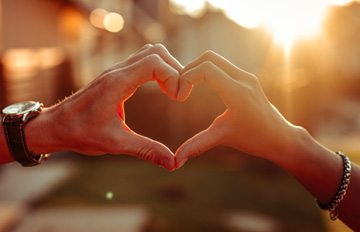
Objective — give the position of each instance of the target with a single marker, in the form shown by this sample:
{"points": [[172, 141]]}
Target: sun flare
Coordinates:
{"points": [[288, 20]]}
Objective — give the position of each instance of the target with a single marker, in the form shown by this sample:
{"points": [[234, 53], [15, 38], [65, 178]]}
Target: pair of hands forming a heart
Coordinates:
{"points": [[92, 121]]}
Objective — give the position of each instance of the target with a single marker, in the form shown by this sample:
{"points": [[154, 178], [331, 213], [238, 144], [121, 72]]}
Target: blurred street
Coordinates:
{"points": [[50, 49]]}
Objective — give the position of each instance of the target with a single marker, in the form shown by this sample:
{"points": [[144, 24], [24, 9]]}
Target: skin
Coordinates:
{"points": [[95, 123], [92, 121], [253, 125]]}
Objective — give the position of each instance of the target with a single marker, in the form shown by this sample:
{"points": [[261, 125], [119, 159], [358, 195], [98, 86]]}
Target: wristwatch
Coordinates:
{"points": [[13, 118]]}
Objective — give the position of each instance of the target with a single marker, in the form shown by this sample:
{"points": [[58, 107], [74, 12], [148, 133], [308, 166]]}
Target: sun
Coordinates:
{"points": [[287, 20], [292, 20]]}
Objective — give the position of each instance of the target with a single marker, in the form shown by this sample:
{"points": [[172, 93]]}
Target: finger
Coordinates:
{"points": [[195, 146], [124, 63], [148, 149], [222, 63], [184, 89], [160, 50], [210, 74], [146, 50], [153, 67]]}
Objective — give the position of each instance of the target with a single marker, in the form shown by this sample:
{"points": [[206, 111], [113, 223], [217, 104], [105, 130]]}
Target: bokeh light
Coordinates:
{"points": [[109, 195], [113, 22], [97, 17]]}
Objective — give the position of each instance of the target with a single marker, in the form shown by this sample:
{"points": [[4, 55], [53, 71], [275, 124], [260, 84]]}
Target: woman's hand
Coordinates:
{"points": [[250, 123]]}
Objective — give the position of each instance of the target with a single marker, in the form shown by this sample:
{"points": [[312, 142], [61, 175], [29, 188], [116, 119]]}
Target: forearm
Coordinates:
{"points": [[320, 171]]}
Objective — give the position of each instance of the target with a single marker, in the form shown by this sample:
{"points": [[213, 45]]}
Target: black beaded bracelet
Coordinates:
{"points": [[332, 206]]}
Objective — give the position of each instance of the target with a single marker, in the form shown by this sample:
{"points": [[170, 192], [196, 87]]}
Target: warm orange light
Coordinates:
{"points": [[113, 22], [195, 8], [70, 23], [286, 19], [50, 57], [26, 62], [97, 17], [20, 62]]}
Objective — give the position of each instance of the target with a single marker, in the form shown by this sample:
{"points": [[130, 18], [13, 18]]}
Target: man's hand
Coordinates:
{"points": [[92, 121]]}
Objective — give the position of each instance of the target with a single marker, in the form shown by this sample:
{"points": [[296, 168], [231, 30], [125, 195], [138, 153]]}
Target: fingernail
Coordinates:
{"points": [[163, 164]]}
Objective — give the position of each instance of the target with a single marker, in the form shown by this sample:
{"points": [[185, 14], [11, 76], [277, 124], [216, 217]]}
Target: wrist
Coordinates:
{"points": [[286, 144], [42, 133], [296, 144], [311, 163]]}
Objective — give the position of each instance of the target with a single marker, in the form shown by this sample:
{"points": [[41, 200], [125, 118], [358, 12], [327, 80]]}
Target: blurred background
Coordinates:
{"points": [[305, 53]]}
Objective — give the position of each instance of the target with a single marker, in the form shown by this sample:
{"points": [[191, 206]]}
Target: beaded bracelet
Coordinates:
{"points": [[332, 206]]}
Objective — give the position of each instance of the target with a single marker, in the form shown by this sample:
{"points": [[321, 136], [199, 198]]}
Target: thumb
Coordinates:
{"points": [[148, 149], [195, 146]]}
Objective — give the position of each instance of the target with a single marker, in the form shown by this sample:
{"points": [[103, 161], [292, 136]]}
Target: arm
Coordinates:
{"points": [[92, 121], [253, 125]]}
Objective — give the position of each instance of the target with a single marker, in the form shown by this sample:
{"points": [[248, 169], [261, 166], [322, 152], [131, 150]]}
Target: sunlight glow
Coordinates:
{"points": [[288, 20], [192, 7]]}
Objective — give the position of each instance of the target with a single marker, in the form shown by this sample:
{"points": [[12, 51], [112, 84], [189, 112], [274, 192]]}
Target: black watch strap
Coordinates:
{"points": [[14, 132]]}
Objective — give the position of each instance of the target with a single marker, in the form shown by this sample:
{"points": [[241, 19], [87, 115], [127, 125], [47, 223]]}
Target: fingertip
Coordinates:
{"points": [[181, 156], [168, 164], [166, 157], [168, 80], [184, 91], [171, 166], [180, 163], [150, 150]]}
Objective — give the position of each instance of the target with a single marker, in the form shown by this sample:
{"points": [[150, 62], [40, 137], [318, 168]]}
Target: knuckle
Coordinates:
{"points": [[247, 90], [253, 84], [197, 148], [146, 152], [252, 78], [159, 48], [109, 79], [207, 65], [148, 45], [208, 55], [153, 59]]}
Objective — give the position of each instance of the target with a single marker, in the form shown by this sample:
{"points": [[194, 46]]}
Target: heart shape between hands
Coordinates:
{"points": [[166, 70], [177, 83], [242, 127]]}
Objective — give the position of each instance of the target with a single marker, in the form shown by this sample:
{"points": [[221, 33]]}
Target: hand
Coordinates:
{"points": [[92, 121], [250, 123]]}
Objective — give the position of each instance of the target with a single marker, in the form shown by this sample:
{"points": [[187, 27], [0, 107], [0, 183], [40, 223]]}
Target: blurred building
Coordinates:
{"points": [[50, 48], [58, 46], [35, 64]]}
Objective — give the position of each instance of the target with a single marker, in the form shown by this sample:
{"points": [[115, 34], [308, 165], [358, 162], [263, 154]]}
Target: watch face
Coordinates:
{"points": [[21, 108]]}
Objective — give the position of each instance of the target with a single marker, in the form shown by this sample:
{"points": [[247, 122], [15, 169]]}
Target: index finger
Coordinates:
{"points": [[145, 51], [224, 64], [151, 67], [212, 75]]}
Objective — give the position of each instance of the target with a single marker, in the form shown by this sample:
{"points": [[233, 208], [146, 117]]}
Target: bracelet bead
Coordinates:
{"points": [[332, 206]]}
